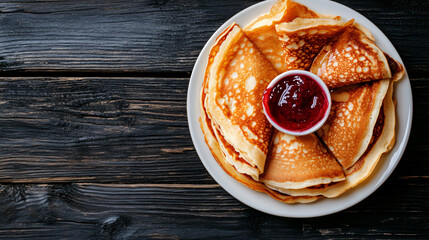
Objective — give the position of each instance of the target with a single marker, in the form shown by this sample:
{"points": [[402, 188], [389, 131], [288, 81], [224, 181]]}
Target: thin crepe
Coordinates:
{"points": [[262, 31], [358, 131], [213, 144], [383, 139], [296, 162], [349, 127], [303, 38], [236, 78], [215, 140], [351, 58]]}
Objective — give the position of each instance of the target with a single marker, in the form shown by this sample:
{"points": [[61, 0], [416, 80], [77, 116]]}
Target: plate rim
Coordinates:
{"points": [[393, 157]]}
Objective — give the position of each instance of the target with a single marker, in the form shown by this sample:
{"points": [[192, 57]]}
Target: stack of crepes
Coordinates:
{"points": [[361, 124]]}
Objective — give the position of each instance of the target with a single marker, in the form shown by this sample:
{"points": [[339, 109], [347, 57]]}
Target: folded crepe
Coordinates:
{"points": [[382, 141], [303, 38], [222, 71], [262, 31], [219, 155], [236, 78], [302, 169], [349, 128], [351, 58], [296, 162]]}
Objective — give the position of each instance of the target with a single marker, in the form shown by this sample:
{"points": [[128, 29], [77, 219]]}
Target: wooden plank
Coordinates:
{"points": [[160, 36], [110, 129], [63, 129], [145, 211]]}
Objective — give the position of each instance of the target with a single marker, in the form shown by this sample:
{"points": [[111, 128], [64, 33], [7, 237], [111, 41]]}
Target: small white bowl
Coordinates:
{"points": [[324, 89]]}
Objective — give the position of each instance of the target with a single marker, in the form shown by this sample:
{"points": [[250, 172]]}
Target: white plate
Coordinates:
{"points": [[262, 201]]}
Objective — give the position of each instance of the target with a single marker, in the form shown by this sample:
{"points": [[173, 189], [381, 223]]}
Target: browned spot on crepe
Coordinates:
{"points": [[349, 127], [378, 129], [298, 169], [302, 39], [262, 31], [349, 59], [298, 162]]}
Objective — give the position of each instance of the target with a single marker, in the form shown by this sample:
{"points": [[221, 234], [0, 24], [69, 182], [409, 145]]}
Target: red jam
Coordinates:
{"points": [[296, 102]]}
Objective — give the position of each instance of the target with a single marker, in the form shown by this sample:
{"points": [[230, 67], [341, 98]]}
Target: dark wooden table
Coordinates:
{"points": [[94, 141]]}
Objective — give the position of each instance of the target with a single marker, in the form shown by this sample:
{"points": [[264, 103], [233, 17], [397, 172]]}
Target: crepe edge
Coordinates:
{"points": [[250, 153], [384, 144]]}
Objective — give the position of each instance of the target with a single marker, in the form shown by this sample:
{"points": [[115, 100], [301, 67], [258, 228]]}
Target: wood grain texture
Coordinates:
{"points": [[106, 211], [110, 129], [160, 36], [132, 130], [94, 142]]}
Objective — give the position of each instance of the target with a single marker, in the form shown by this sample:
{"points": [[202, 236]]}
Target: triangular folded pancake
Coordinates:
{"points": [[262, 31], [382, 141], [236, 78], [361, 125], [215, 140], [288, 10], [303, 38], [296, 162], [213, 144], [349, 59], [349, 127]]}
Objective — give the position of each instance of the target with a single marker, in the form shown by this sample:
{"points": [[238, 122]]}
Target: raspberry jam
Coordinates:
{"points": [[296, 102]]}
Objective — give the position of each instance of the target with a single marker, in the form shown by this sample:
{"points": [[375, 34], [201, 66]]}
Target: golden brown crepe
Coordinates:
{"points": [[225, 154], [236, 79], [361, 125], [349, 59], [213, 144], [262, 31], [303, 38], [383, 138], [349, 127], [296, 162]]}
